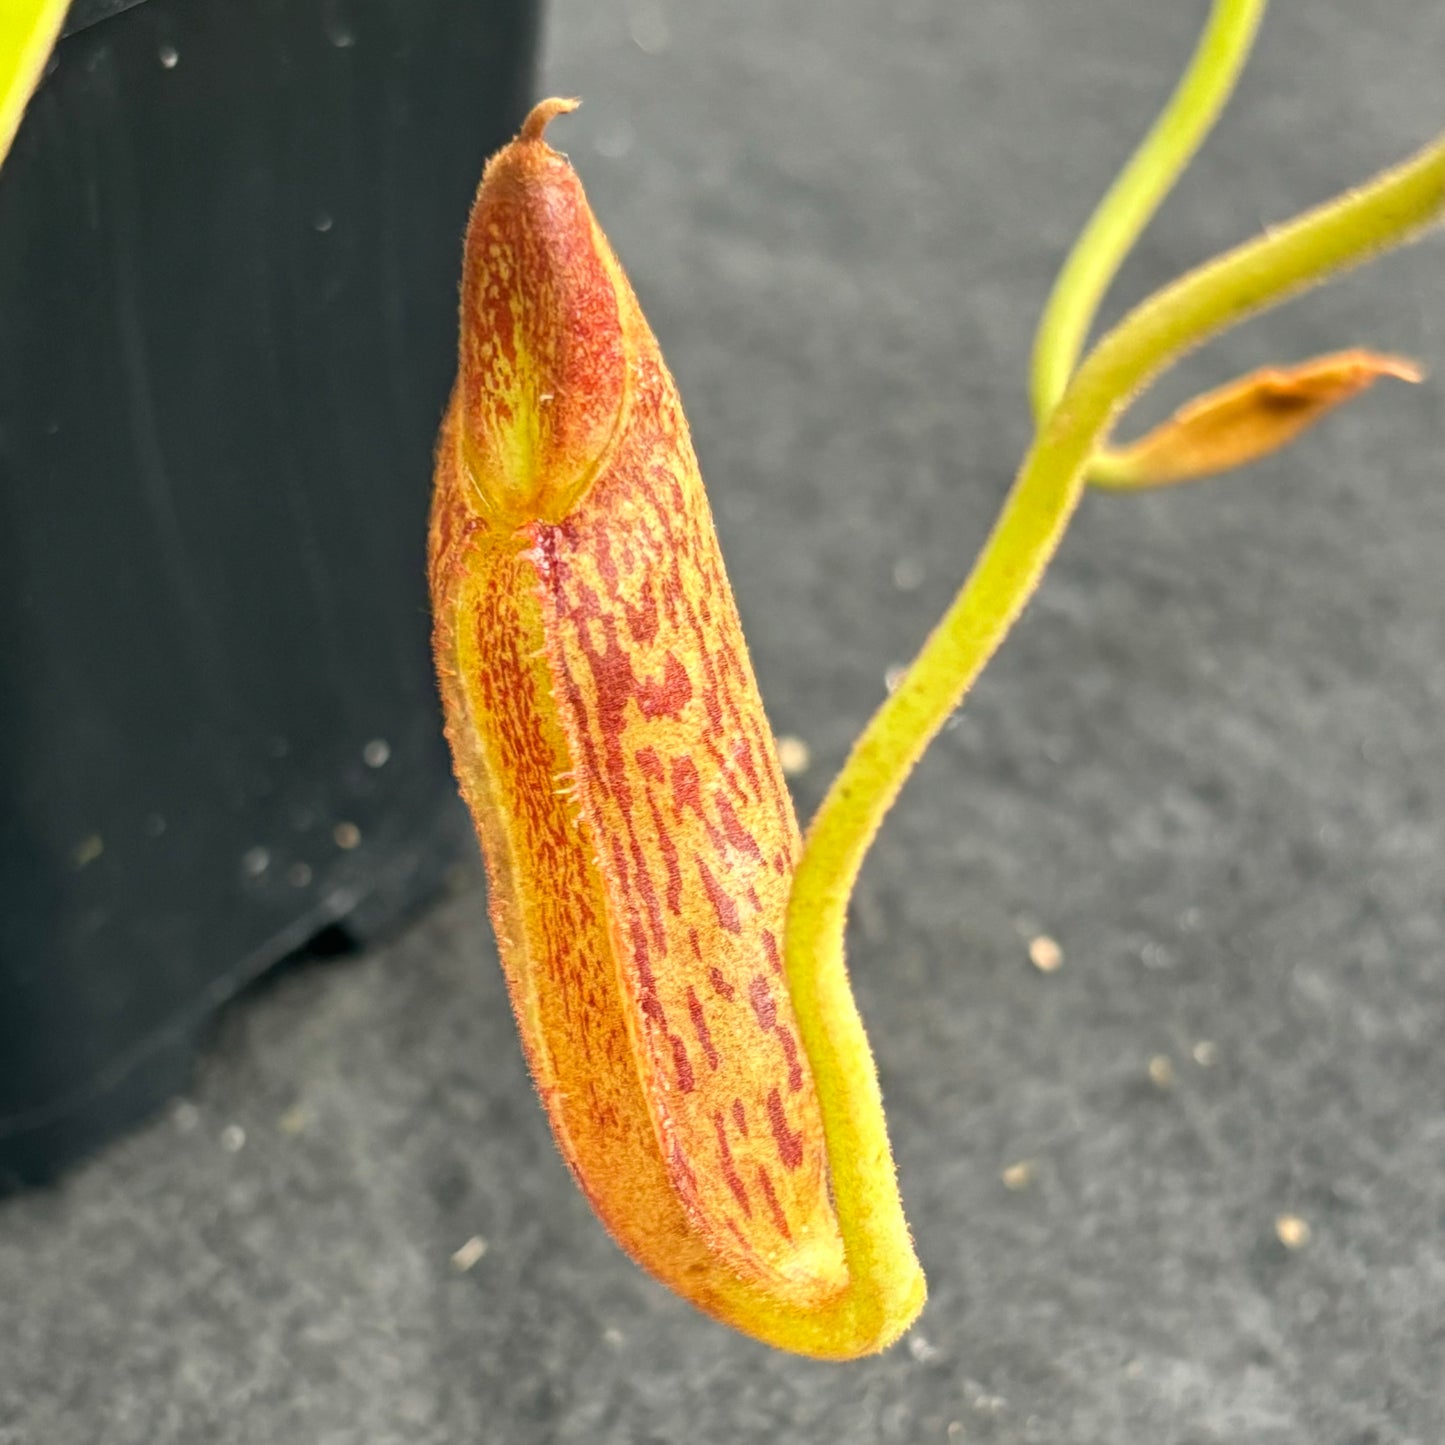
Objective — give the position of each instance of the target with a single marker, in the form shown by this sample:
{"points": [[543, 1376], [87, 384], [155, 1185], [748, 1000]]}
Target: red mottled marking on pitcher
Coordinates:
{"points": [[730, 1168], [774, 1208], [609, 738], [790, 1143], [700, 1028]]}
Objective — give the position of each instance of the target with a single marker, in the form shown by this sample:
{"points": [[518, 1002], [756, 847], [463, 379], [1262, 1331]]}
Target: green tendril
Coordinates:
{"points": [[1130, 203], [1077, 417]]}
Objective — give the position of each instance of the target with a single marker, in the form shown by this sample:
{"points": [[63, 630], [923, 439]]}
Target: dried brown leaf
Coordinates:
{"points": [[1248, 418]]}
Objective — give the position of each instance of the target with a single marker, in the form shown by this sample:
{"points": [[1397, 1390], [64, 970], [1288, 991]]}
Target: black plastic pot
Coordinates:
{"points": [[229, 241]]}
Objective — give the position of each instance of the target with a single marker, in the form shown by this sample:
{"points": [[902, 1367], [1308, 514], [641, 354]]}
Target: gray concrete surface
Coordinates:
{"points": [[1210, 764]]}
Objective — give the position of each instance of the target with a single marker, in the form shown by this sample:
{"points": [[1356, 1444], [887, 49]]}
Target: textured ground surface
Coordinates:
{"points": [[1210, 764]]}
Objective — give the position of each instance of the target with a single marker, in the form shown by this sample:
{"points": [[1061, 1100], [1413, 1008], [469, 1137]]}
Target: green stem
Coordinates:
{"points": [[1131, 201], [1391, 209]]}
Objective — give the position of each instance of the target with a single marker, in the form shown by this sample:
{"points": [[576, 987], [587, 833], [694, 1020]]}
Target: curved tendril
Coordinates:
{"points": [[1187, 118], [1393, 208]]}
